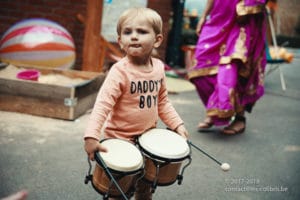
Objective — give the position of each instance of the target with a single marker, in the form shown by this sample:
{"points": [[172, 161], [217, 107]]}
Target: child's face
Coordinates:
{"points": [[138, 38]]}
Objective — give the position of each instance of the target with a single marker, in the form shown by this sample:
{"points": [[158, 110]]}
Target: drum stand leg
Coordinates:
{"points": [[154, 184], [89, 176], [180, 176], [158, 166]]}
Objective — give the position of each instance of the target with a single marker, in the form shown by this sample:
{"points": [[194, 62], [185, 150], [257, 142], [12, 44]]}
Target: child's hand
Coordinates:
{"points": [[21, 195], [91, 146], [181, 130]]}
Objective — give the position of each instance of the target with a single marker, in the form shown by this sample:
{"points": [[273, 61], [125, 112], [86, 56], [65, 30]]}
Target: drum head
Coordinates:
{"points": [[164, 143], [121, 155]]}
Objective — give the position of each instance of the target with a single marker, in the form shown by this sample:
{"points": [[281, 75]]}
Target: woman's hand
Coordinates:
{"points": [[200, 25], [208, 7], [91, 146]]}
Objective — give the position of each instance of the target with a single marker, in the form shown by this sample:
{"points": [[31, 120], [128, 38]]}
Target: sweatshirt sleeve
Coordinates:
{"points": [[105, 101], [166, 111]]}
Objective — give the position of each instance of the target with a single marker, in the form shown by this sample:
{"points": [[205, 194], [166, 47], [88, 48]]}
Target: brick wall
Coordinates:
{"points": [[164, 8], [61, 11], [287, 16], [64, 12]]}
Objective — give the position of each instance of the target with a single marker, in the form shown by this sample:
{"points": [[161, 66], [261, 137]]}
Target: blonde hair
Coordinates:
{"points": [[148, 14]]}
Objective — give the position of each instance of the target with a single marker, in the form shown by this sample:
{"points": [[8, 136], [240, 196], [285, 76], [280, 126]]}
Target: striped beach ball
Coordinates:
{"points": [[38, 42]]}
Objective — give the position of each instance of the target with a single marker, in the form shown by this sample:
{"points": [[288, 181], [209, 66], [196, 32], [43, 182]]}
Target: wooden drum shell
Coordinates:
{"points": [[167, 174], [123, 161], [164, 153], [102, 182]]}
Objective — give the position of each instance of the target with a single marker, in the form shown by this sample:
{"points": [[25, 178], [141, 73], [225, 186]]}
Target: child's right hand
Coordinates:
{"points": [[91, 146]]}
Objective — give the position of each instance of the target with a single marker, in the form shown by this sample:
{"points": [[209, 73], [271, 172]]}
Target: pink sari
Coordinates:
{"points": [[231, 58]]}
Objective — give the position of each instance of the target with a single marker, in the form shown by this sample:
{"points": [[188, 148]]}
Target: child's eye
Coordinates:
{"points": [[142, 31], [127, 32]]}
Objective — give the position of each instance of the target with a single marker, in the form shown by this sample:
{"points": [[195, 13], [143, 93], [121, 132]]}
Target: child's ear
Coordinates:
{"points": [[159, 39], [119, 42]]}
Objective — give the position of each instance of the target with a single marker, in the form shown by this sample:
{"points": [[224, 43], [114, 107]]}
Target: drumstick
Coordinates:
{"points": [[224, 166], [110, 175]]}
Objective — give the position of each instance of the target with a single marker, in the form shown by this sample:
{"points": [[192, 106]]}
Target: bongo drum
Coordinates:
{"points": [[124, 161], [164, 152]]}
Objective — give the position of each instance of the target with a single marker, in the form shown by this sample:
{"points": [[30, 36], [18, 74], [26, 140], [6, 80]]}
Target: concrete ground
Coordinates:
{"points": [[46, 156]]}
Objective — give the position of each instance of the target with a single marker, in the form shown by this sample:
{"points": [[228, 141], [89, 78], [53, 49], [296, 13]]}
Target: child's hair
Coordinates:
{"points": [[148, 14]]}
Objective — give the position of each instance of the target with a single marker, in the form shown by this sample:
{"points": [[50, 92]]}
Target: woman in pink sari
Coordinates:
{"points": [[230, 56]]}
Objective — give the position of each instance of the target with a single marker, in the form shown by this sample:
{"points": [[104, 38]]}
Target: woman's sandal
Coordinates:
{"points": [[207, 123], [233, 128]]}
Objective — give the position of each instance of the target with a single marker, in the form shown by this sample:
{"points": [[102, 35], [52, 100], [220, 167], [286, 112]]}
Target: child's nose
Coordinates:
{"points": [[134, 36]]}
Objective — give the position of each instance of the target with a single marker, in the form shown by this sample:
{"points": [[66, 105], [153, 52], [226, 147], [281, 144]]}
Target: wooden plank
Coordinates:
{"points": [[84, 104], [111, 47], [65, 72], [33, 89], [92, 87], [34, 106], [56, 101], [91, 51]]}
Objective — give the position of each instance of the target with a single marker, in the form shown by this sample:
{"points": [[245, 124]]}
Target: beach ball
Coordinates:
{"points": [[38, 42]]}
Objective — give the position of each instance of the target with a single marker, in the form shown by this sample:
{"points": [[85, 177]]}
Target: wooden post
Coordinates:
{"points": [[91, 50]]}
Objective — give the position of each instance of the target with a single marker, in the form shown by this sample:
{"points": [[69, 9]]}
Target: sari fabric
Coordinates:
{"points": [[231, 58]]}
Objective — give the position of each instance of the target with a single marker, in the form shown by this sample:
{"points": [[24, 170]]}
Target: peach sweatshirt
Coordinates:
{"points": [[132, 101]]}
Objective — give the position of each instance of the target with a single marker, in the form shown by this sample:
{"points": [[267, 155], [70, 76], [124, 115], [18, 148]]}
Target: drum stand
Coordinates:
{"points": [[89, 177], [158, 165], [180, 176]]}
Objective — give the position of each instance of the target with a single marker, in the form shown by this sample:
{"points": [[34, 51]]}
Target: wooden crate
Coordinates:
{"points": [[51, 100]]}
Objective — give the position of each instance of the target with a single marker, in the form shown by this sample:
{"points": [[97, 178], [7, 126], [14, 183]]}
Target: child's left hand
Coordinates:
{"points": [[181, 130]]}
